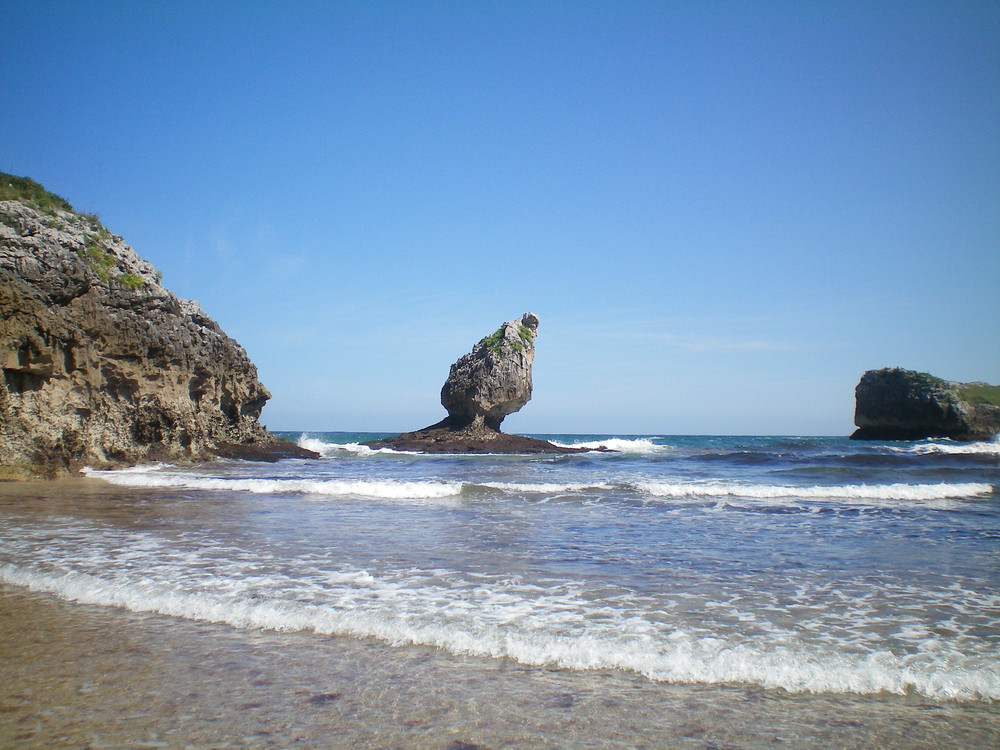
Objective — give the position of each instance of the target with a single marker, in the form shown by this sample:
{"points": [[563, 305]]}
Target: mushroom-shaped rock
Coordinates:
{"points": [[483, 387], [494, 379]]}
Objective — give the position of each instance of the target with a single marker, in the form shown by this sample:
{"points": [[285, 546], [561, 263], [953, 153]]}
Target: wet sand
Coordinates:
{"points": [[92, 677]]}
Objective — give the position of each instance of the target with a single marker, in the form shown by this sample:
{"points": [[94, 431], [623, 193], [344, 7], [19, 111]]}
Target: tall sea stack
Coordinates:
{"points": [[483, 387], [102, 365]]}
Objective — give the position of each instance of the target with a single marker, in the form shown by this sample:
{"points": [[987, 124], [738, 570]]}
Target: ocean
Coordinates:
{"points": [[673, 591]]}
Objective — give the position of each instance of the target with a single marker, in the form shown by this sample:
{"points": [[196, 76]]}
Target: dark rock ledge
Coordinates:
{"points": [[482, 388]]}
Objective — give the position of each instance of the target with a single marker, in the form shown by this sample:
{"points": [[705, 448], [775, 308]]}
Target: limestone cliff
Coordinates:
{"points": [[483, 387], [897, 404], [101, 364]]}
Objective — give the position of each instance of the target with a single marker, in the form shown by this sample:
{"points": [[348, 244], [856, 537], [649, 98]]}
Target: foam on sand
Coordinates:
{"points": [[535, 626]]}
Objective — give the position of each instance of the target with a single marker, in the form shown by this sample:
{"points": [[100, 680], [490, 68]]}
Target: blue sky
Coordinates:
{"points": [[722, 212]]}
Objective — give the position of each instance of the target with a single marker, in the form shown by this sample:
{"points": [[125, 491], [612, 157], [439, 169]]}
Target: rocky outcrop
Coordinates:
{"points": [[494, 379], [482, 388], [897, 404], [99, 363]]}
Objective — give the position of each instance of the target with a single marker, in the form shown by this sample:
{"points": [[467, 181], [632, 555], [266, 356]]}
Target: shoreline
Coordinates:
{"points": [[109, 678]]}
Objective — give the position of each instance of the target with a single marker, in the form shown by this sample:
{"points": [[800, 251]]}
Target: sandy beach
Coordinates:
{"points": [[89, 677]]}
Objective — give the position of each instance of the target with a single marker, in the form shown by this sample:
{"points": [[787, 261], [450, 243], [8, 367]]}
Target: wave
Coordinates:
{"points": [[546, 487], [991, 448], [540, 628], [619, 445], [328, 450], [384, 489], [842, 492]]}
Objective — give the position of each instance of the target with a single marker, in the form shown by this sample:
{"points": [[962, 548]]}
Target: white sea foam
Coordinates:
{"points": [[388, 489], [328, 450], [546, 487], [991, 448], [870, 492], [620, 445], [534, 626], [566, 584]]}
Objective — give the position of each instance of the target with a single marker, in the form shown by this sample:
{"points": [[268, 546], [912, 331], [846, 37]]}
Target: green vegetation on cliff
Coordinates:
{"points": [[494, 342], [980, 393], [97, 248], [26, 190], [973, 393], [923, 379]]}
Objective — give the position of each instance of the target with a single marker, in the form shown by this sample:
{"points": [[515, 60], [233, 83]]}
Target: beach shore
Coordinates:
{"points": [[93, 677]]}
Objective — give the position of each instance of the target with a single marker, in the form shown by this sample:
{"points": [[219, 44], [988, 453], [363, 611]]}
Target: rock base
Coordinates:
{"points": [[273, 450], [446, 437]]}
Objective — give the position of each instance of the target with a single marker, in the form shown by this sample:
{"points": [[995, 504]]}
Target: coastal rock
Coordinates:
{"points": [[897, 404], [483, 387], [494, 379], [102, 365]]}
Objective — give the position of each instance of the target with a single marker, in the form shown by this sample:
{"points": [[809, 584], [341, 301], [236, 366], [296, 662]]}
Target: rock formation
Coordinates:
{"points": [[482, 388], [102, 365], [897, 404], [494, 379]]}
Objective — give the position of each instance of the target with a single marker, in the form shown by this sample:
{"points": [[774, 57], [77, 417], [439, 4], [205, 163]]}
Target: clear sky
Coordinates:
{"points": [[722, 212]]}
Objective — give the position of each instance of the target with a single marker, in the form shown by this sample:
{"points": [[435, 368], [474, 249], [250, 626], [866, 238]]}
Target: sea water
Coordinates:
{"points": [[800, 569]]}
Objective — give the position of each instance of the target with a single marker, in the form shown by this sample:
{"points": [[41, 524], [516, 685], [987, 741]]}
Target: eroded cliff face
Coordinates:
{"points": [[897, 404], [101, 364]]}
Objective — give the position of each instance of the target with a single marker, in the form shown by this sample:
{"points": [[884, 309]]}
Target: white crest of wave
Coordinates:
{"points": [[991, 448], [543, 629], [872, 492], [328, 450], [620, 445], [387, 489]]}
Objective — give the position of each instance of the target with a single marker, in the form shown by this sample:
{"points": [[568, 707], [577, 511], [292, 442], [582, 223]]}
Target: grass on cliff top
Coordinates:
{"points": [[980, 393], [29, 192], [924, 378], [26, 190]]}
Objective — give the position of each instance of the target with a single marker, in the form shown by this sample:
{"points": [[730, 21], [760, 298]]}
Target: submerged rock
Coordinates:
{"points": [[99, 363], [897, 404], [483, 387]]}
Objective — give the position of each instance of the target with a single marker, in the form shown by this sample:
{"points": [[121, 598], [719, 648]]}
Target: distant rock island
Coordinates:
{"points": [[482, 388], [897, 404], [102, 365]]}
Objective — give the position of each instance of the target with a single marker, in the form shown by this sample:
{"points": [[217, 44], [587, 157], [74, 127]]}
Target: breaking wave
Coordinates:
{"points": [[620, 445], [536, 626], [991, 448], [387, 489], [328, 450]]}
